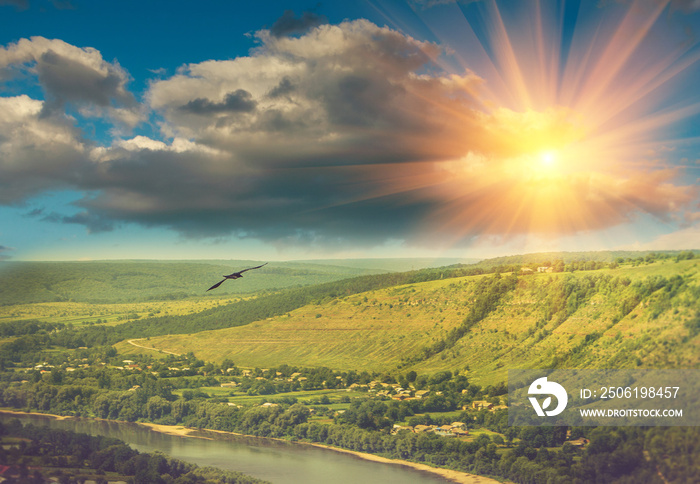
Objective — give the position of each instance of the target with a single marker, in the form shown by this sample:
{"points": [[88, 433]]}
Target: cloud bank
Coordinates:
{"points": [[339, 134]]}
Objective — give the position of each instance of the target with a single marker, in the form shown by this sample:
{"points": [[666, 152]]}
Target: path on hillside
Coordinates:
{"points": [[132, 342]]}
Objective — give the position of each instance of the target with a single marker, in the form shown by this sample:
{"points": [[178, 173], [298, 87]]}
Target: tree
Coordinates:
{"points": [[157, 407]]}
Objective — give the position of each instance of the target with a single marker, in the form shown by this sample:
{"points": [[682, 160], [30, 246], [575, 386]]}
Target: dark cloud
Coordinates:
{"points": [[66, 79], [327, 206], [3, 252], [289, 24], [62, 5], [39, 152], [284, 88], [18, 4], [93, 222], [361, 100], [22, 5], [240, 101]]}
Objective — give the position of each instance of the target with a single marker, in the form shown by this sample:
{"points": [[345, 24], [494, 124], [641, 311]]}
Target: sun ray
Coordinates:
{"points": [[553, 137]]}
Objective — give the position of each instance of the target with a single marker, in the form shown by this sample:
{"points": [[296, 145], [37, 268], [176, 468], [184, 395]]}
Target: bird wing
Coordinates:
{"points": [[215, 285], [251, 268], [230, 276]]}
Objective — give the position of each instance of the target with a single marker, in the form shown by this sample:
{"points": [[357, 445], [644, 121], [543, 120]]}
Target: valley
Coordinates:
{"points": [[404, 365]]}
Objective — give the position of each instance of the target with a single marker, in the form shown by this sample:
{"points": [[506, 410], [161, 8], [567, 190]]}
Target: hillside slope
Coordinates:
{"points": [[138, 281], [631, 316]]}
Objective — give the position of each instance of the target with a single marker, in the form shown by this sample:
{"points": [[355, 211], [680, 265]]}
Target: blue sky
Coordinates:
{"points": [[291, 130]]}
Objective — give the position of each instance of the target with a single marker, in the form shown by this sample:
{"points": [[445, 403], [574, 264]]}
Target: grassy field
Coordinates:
{"points": [[79, 313], [376, 330], [365, 331], [139, 281]]}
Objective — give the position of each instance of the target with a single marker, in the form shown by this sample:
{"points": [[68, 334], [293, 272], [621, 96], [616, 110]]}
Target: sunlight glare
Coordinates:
{"points": [[548, 159]]}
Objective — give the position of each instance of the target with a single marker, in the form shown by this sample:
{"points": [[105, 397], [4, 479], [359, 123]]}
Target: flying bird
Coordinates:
{"points": [[235, 275]]}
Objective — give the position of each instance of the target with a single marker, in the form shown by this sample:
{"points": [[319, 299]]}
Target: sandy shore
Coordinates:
{"points": [[455, 476], [179, 430], [17, 412]]}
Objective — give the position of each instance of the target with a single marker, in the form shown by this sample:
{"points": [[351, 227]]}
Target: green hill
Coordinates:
{"points": [[642, 315], [137, 281]]}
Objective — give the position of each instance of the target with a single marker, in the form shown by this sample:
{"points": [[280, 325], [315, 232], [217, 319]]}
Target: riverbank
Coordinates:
{"points": [[50, 415], [186, 432], [454, 476]]}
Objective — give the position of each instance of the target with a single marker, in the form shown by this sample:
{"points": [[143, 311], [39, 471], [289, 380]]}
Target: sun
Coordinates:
{"points": [[548, 159]]}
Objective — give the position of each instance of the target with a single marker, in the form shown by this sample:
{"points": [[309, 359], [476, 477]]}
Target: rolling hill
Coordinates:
{"points": [[636, 315], [128, 281], [138, 281]]}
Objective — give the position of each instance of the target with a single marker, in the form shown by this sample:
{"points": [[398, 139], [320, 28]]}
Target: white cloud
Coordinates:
{"points": [[76, 75], [314, 95], [36, 152], [349, 131]]}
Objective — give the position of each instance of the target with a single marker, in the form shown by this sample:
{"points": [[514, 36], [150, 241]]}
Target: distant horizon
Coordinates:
{"points": [[447, 258]]}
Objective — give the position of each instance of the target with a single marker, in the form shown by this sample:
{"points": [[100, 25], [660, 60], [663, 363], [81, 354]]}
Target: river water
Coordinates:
{"points": [[274, 461]]}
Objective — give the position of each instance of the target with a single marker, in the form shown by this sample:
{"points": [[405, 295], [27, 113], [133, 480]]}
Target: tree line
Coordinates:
{"points": [[62, 452]]}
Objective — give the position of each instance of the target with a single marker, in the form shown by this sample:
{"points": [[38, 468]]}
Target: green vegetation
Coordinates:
{"points": [[626, 317], [246, 311], [350, 362], [130, 281]]}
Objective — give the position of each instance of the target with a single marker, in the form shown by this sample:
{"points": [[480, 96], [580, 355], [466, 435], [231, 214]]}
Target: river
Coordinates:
{"points": [[271, 460]]}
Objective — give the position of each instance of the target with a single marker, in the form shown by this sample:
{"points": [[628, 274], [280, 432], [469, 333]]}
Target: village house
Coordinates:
{"points": [[399, 428], [422, 393], [481, 405]]}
